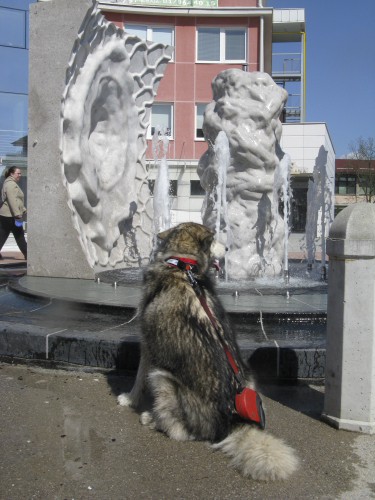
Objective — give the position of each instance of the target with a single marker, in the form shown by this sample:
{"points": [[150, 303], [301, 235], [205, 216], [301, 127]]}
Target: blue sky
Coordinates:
{"points": [[340, 85]]}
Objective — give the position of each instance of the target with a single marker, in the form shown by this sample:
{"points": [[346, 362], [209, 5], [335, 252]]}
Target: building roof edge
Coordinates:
{"points": [[181, 11]]}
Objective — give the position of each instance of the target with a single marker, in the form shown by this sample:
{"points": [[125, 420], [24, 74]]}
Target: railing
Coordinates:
{"points": [[285, 63], [292, 114]]}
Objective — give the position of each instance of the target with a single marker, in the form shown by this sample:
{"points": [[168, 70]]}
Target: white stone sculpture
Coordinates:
{"points": [[246, 106], [111, 83]]}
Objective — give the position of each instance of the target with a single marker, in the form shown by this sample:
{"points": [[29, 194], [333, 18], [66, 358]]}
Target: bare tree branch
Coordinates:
{"points": [[363, 165]]}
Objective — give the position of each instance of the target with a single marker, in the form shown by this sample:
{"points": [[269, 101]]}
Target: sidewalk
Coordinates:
{"points": [[64, 436], [11, 256]]}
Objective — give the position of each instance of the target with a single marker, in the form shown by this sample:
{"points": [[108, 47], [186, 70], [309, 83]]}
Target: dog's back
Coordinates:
{"points": [[180, 339]]}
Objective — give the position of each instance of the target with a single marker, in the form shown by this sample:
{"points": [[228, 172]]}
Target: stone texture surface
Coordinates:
{"points": [[350, 382], [238, 174], [91, 90], [112, 79], [53, 245]]}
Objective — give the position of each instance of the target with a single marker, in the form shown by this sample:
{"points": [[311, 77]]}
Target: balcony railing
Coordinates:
{"points": [[286, 63]]}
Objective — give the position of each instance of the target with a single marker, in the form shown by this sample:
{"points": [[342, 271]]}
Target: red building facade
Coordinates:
{"points": [[236, 34]]}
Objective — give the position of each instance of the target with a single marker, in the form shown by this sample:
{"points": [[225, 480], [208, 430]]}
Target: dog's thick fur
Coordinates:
{"points": [[185, 367]]}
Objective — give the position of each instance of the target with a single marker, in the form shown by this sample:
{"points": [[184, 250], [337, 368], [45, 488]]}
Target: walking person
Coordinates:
{"points": [[12, 210]]}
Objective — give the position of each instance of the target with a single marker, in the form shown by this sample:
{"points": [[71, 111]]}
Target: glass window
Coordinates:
{"points": [[12, 27], [200, 108], [163, 35], [159, 34], [235, 45], [162, 117], [221, 44], [13, 111], [345, 184], [13, 129], [366, 183], [14, 70], [196, 189], [208, 44], [137, 30], [298, 209], [172, 187]]}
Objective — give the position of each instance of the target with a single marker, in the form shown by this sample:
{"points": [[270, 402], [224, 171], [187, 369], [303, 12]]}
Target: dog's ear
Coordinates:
{"points": [[206, 242], [164, 234]]}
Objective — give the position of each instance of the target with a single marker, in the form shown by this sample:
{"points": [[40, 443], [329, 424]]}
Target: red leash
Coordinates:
{"points": [[248, 403]]}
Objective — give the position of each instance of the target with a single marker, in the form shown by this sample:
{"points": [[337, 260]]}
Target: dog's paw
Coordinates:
{"points": [[146, 419], [124, 399]]}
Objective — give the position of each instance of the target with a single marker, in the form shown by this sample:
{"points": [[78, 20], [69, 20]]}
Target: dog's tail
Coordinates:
{"points": [[259, 455]]}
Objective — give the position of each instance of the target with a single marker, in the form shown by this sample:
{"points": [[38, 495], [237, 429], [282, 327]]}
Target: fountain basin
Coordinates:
{"points": [[263, 309], [88, 323]]}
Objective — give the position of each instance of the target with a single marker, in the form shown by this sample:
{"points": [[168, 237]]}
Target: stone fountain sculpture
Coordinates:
{"points": [[103, 217], [112, 80], [246, 107]]}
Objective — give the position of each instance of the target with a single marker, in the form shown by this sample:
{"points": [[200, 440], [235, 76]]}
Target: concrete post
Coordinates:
{"points": [[350, 359]]}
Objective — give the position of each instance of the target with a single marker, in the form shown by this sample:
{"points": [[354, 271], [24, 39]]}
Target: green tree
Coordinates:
{"points": [[363, 164]]}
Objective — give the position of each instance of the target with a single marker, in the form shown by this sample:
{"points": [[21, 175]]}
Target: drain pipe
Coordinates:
{"points": [[261, 39]]}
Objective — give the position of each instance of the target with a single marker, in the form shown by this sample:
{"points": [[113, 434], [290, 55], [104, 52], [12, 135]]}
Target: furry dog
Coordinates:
{"points": [[184, 362]]}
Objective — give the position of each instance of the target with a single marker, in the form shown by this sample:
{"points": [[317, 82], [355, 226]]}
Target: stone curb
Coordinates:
{"points": [[111, 350], [267, 342]]}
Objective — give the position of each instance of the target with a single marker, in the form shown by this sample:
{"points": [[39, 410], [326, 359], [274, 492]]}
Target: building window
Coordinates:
{"points": [[162, 118], [298, 210], [196, 189], [199, 115], [221, 44], [159, 34], [172, 187], [345, 184], [235, 45], [163, 35], [12, 27]]}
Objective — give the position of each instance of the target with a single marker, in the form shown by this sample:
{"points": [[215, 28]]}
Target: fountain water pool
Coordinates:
{"points": [[267, 314]]}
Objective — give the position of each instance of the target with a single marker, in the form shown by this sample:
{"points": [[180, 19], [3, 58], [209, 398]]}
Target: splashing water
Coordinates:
{"points": [[313, 202], [282, 187], [222, 152], [162, 212], [317, 195]]}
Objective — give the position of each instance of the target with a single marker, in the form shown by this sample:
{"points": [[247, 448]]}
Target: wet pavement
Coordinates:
{"points": [[64, 437]]}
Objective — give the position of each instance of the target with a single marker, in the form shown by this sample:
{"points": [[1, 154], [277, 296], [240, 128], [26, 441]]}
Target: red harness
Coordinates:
{"points": [[248, 403]]}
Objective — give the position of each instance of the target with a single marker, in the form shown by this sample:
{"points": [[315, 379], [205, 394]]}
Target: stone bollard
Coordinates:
{"points": [[350, 358]]}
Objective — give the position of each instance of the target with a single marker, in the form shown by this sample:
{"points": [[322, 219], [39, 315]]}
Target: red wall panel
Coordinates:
{"points": [[186, 82], [185, 40], [166, 89], [184, 123], [185, 76]]}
